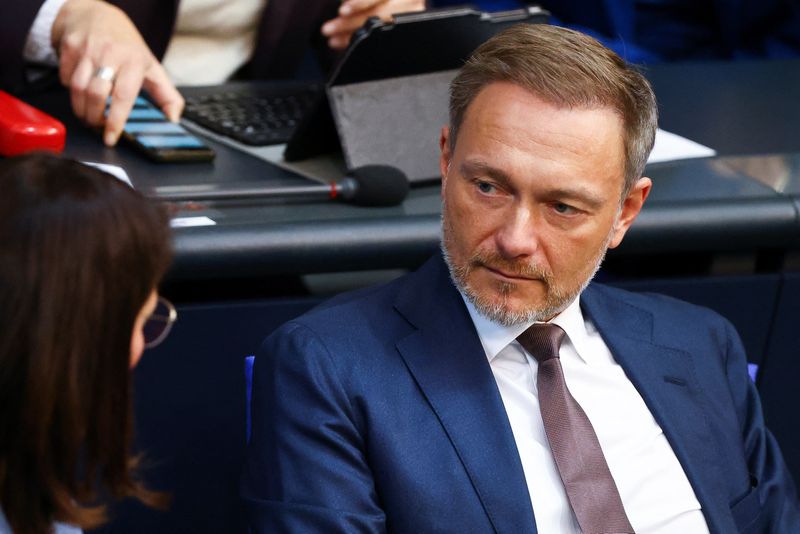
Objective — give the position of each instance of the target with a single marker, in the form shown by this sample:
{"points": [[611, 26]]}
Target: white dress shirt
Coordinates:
{"points": [[655, 492]]}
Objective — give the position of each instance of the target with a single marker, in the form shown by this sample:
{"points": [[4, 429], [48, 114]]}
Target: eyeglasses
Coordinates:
{"points": [[158, 325]]}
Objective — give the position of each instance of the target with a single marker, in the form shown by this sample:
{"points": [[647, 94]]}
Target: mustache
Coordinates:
{"points": [[511, 267]]}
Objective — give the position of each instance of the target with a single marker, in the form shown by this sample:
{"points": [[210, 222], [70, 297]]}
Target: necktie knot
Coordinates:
{"points": [[542, 341]]}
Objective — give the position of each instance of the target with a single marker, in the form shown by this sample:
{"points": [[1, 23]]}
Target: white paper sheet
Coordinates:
{"points": [[113, 170], [184, 222]]}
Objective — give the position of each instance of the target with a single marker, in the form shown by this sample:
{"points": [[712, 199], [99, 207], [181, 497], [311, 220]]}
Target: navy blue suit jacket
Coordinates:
{"points": [[379, 412]]}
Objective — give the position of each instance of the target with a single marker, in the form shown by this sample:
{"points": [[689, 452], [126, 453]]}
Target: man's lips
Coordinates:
{"points": [[503, 274]]}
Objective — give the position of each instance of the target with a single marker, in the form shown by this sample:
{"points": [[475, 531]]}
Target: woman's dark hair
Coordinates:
{"points": [[80, 252]]}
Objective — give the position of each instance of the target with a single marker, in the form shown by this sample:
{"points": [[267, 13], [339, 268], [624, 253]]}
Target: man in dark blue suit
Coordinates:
{"points": [[496, 389]]}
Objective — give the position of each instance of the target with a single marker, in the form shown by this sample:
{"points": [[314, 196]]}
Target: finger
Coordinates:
{"points": [[350, 7], [78, 84], [69, 55], [339, 42], [123, 95], [97, 93], [163, 91], [380, 8], [343, 25]]}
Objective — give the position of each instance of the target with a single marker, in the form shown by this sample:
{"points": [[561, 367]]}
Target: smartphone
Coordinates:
{"points": [[149, 130]]}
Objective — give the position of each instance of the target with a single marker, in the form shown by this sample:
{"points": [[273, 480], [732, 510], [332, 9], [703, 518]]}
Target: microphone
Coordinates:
{"points": [[370, 185]]}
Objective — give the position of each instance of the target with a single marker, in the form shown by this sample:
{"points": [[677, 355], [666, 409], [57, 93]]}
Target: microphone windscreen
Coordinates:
{"points": [[379, 185]]}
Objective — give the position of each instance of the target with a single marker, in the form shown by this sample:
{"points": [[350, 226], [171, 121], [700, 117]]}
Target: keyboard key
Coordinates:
{"points": [[251, 117]]}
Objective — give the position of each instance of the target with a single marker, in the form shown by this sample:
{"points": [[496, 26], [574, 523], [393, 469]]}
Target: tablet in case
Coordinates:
{"points": [[387, 100]]}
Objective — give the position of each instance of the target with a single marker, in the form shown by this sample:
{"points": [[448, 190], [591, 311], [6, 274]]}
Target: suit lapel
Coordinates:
{"points": [[665, 378], [447, 360]]}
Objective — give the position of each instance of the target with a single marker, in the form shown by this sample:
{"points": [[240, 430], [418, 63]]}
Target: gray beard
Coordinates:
{"points": [[557, 298]]}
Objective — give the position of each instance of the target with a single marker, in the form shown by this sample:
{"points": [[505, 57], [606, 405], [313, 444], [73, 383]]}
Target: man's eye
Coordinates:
{"points": [[486, 187], [564, 209]]}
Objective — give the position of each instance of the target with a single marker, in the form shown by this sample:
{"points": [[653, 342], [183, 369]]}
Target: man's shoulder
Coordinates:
{"points": [[366, 312], [663, 309], [352, 335], [365, 302], [384, 303], [662, 321]]}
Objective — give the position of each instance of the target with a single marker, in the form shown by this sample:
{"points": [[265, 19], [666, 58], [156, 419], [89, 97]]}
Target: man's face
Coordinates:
{"points": [[531, 201]]}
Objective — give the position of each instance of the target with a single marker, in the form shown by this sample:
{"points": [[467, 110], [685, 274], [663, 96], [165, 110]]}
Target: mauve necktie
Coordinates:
{"points": [[590, 487]]}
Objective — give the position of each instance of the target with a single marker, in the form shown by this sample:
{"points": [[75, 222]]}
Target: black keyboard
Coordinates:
{"points": [[251, 113]]}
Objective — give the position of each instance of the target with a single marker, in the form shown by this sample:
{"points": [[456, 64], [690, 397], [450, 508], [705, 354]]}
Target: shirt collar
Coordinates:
{"points": [[495, 337]]}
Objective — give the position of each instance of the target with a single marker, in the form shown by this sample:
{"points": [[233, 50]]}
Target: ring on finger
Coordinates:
{"points": [[105, 73]]}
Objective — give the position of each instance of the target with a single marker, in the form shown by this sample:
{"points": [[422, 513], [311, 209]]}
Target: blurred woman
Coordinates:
{"points": [[81, 255]]}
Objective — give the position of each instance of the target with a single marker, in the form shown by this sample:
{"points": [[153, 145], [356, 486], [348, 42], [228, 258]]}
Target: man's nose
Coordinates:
{"points": [[517, 235]]}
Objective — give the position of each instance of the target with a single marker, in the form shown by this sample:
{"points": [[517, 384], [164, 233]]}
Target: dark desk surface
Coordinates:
{"points": [[744, 108]]}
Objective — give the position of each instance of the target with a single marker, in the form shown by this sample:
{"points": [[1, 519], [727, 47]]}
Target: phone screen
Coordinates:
{"points": [[149, 130]]}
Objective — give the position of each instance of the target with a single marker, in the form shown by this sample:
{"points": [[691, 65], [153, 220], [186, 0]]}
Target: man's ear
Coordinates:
{"points": [[631, 207], [444, 155]]}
